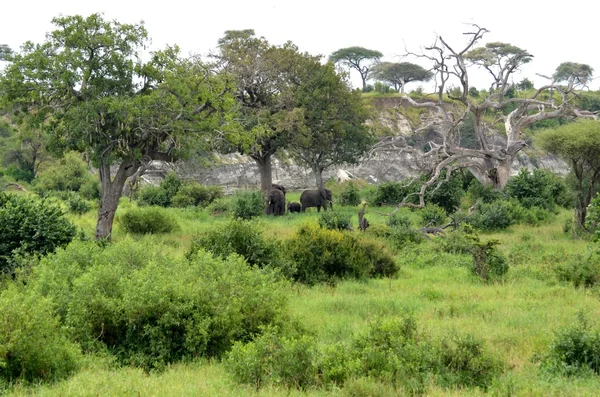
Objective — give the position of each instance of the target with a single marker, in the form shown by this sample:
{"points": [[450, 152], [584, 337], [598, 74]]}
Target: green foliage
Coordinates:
{"points": [[153, 195], [195, 194], [574, 351], [399, 221], [275, 360], [147, 220], [150, 309], [76, 204], [219, 206], [488, 262], [432, 215], [391, 193], [540, 188], [399, 74], [33, 346], [334, 220], [247, 205], [350, 195], [580, 270], [496, 215], [246, 239], [402, 231], [592, 220], [323, 255], [70, 173], [483, 193], [30, 226], [458, 241]]}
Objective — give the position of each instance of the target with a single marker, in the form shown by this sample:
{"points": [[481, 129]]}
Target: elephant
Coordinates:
{"points": [[316, 198], [276, 205], [294, 207], [278, 187]]}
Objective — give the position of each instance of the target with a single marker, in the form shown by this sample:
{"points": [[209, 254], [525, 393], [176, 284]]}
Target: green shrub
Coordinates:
{"points": [[459, 241], [244, 238], [398, 221], [195, 194], [147, 220], [30, 226], [540, 188], [275, 360], [581, 270], [76, 204], [592, 219], [483, 193], [219, 206], [247, 205], [334, 220], [153, 196], [488, 262], [391, 193], [33, 346], [150, 309], [432, 215], [70, 173], [496, 215], [350, 195], [323, 255], [574, 351], [402, 231]]}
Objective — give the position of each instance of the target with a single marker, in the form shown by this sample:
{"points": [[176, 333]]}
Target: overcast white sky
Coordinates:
{"points": [[551, 33]]}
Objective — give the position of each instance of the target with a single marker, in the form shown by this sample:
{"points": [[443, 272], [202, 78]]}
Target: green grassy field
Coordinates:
{"points": [[517, 317]]}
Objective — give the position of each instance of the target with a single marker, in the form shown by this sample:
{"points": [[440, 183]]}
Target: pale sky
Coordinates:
{"points": [[552, 34]]}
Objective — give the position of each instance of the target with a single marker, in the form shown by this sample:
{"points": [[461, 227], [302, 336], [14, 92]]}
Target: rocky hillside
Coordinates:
{"points": [[235, 172]]}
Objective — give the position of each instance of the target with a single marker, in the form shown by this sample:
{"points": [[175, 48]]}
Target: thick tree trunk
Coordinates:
{"points": [[264, 167], [503, 172], [318, 171], [111, 192]]}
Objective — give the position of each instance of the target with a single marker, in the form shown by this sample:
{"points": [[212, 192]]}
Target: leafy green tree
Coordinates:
{"points": [[331, 129], [88, 88], [359, 58], [525, 85], [5, 52], [577, 143], [399, 74], [265, 77]]}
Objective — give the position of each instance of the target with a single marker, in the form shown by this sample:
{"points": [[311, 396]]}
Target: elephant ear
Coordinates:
{"points": [[323, 193]]}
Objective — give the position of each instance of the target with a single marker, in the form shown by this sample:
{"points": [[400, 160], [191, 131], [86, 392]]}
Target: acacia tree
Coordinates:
{"points": [[265, 77], [399, 74], [490, 161], [578, 144], [359, 58], [87, 87], [331, 127]]}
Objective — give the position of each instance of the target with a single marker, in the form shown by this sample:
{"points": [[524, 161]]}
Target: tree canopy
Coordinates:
{"points": [[87, 86], [331, 127], [359, 58], [578, 143], [399, 74]]}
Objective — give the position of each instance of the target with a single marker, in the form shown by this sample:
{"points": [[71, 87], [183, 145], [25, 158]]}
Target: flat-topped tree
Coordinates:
{"points": [[399, 74], [91, 92], [359, 58], [265, 77], [490, 160]]}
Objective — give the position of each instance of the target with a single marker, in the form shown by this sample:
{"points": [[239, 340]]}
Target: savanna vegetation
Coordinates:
{"points": [[112, 287]]}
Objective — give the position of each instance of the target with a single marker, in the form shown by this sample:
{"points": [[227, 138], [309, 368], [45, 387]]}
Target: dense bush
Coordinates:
{"points": [[150, 309], [540, 188], [402, 231], [432, 215], [496, 215], [161, 195], [147, 220], [592, 219], [488, 262], [323, 255], [350, 195], [70, 173], [195, 194], [483, 193], [247, 205], [244, 238], [574, 351], [76, 204], [580, 270], [30, 226], [33, 346], [459, 241], [448, 193], [219, 206], [334, 220], [391, 193]]}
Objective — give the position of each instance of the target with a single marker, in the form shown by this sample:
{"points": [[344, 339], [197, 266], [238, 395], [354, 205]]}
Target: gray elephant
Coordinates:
{"points": [[316, 198], [294, 207], [276, 204], [278, 187]]}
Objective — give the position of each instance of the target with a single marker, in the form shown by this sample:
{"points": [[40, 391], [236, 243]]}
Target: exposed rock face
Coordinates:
{"points": [[235, 171]]}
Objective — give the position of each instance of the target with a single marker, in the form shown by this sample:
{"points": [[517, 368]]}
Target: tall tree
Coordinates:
{"points": [[579, 145], [5, 52], [399, 74], [490, 161], [330, 129], [265, 77], [359, 58], [88, 88]]}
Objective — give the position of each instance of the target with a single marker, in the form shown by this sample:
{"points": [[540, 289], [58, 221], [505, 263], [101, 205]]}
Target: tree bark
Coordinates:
{"points": [[503, 172], [318, 171], [111, 192], [263, 161]]}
